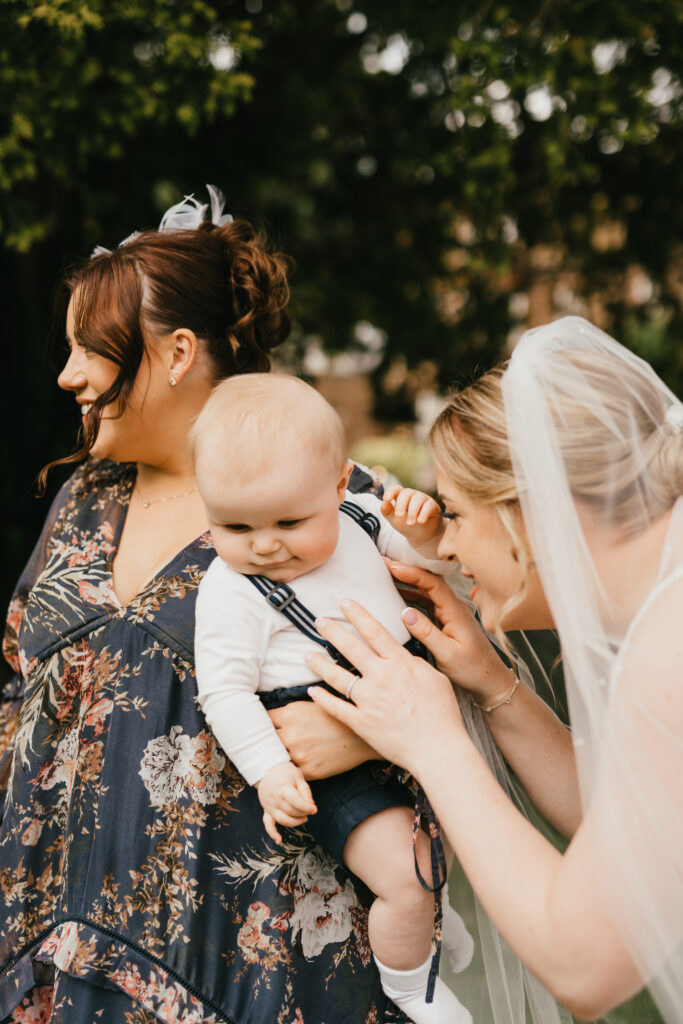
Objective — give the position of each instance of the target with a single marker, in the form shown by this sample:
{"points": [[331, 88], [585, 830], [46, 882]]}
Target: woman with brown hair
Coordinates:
{"points": [[137, 881]]}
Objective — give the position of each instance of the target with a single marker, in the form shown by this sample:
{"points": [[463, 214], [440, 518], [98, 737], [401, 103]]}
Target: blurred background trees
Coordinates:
{"points": [[444, 175]]}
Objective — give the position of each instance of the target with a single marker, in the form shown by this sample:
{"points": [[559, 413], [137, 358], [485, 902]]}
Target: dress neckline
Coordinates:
{"points": [[129, 475]]}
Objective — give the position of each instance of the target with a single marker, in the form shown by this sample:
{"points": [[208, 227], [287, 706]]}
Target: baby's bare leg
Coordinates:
{"points": [[380, 852]]}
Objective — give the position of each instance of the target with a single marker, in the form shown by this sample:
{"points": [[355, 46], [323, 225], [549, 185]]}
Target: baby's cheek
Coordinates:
{"points": [[321, 548], [331, 541], [319, 556], [226, 550]]}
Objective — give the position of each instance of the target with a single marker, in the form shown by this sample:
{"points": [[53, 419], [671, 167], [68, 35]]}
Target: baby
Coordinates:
{"points": [[270, 466]]}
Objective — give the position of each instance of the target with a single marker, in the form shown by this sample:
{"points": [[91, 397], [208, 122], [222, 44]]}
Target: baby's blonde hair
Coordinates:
{"points": [[250, 417]]}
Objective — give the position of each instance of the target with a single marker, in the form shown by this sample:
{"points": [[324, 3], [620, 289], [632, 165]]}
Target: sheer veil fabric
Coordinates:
{"points": [[596, 440], [497, 988]]}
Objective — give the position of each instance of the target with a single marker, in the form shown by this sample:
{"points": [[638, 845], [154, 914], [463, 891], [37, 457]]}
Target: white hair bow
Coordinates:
{"points": [[186, 215], [190, 213], [673, 421]]}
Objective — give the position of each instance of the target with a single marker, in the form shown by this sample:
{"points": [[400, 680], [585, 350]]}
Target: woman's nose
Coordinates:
{"points": [[446, 549], [72, 377]]}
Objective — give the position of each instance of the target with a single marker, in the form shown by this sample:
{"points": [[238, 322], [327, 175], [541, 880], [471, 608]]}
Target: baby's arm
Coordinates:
{"points": [[285, 797], [416, 516], [231, 639]]}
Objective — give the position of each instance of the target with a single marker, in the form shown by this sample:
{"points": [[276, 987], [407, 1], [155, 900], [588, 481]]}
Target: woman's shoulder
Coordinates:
{"points": [[660, 614], [98, 475], [662, 607], [650, 659], [94, 487]]}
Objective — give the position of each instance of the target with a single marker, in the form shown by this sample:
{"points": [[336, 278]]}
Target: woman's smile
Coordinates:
{"points": [[475, 537]]}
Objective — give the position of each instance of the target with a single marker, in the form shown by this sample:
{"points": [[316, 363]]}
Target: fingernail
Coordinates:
{"points": [[409, 616], [320, 623], [345, 603], [309, 655]]}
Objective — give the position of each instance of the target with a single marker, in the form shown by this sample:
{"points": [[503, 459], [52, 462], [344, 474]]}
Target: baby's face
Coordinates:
{"points": [[283, 524]]}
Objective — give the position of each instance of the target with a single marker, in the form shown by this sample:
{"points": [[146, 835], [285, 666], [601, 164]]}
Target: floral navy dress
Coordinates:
{"points": [[137, 882]]}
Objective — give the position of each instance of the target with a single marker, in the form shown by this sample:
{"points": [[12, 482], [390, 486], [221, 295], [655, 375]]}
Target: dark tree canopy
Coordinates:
{"points": [[441, 170]]}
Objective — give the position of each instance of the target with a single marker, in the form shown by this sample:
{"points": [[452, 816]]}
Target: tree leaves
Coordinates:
{"points": [[444, 171]]}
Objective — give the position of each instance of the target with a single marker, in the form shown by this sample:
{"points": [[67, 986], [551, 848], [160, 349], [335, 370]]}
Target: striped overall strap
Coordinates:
{"points": [[423, 808], [366, 520], [283, 599]]}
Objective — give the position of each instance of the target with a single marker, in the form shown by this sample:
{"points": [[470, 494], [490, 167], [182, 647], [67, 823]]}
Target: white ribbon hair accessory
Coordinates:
{"points": [[673, 421], [186, 215]]}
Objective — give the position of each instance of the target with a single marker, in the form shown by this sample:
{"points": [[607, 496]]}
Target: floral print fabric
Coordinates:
{"points": [[137, 881]]}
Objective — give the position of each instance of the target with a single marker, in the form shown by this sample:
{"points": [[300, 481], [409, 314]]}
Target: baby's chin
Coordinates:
{"points": [[286, 573], [279, 575]]}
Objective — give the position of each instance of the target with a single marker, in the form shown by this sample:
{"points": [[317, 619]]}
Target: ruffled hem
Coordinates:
{"points": [[79, 974], [107, 963]]}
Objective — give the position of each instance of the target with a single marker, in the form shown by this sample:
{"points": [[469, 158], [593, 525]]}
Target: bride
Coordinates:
{"points": [[560, 475]]}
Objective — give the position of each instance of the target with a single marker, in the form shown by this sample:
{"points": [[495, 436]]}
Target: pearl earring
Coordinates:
{"points": [[172, 381]]}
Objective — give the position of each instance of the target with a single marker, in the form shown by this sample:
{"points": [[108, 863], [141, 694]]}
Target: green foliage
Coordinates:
{"points": [[427, 164], [83, 80], [421, 160], [401, 456]]}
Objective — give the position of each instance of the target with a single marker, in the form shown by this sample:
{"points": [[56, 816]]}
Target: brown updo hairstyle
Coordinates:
{"points": [[223, 283]]}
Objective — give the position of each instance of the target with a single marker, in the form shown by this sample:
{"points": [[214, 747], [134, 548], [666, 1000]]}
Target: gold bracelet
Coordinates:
{"points": [[504, 700]]}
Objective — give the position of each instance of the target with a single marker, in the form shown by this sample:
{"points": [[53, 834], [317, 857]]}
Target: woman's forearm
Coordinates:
{"points": [[345, 753], [546, 906], [549, 907], [538, 748]]}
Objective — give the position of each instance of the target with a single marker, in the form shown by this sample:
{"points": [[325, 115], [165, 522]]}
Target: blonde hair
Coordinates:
{"points": [[470, 446], [248, 418], [623, 459]]}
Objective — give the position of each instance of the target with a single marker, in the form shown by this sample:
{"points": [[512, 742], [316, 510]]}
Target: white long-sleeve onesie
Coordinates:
{"points": [[243, 646]]}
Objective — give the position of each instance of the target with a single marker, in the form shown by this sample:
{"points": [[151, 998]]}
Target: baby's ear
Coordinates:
{"points": [[347, 470]]}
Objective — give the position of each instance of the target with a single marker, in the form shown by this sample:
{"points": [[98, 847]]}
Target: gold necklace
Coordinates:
{"points": [[146, 502]]}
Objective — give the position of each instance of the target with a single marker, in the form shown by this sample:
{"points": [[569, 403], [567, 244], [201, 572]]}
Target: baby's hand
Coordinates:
{"points": [[285, 797], [415, 515]]}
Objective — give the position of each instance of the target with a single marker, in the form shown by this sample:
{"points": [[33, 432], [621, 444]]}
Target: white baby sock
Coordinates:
{"points": [[408, 990], [456, 941]]}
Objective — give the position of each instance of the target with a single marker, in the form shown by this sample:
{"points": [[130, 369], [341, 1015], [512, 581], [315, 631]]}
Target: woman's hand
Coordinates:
{"points": [[401, 704], [530, 736], [461, 648], [319, 744]]}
